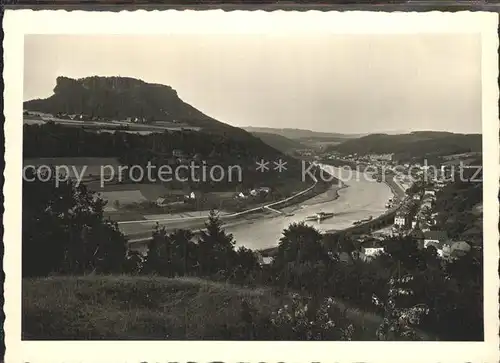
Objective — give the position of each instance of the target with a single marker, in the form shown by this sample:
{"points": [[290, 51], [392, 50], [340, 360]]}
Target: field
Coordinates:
{"points": [[125, 307]]}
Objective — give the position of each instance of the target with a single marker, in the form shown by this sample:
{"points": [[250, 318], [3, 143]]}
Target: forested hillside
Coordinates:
{"points": [[53, 140], [412, 146], [279, 142]]}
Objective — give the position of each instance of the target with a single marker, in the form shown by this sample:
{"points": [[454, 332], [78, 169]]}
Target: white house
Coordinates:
{"points": [[369, 253], [241, 195], [431, 192], [264, 260], [436, 239], [370, 250], [255, 192], [401, 219], [160, 202], [191, 195]]}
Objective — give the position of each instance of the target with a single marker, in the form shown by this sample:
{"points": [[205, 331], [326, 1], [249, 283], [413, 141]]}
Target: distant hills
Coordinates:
{"points": [[307, 138], [279, 142], [417, 144], [298, 134]]}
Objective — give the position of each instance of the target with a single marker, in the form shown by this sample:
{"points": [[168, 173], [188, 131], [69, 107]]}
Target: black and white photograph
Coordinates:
{"points": [[260, 186]]}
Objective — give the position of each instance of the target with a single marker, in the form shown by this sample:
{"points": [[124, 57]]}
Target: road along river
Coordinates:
{"points": [[361, 198]]}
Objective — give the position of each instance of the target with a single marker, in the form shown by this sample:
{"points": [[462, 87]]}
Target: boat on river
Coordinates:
{"points": [[319, 216]]}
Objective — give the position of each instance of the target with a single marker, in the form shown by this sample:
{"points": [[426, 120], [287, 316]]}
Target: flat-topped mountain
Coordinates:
{"points": [[119, 98]]}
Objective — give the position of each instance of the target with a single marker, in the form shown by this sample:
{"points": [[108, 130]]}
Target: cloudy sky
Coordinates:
{"points": [[333, 83]]}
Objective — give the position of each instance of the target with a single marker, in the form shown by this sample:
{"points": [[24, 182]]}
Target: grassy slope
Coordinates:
{"points": [[124, 307]]}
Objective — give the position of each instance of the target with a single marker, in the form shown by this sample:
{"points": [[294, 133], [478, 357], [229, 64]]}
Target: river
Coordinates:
{"points": [[361, 199]]}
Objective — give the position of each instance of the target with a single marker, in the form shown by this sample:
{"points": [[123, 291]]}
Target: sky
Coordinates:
{"points": [[332, 83]]}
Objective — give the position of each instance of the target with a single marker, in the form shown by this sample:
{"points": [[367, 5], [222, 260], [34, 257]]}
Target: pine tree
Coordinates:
{"points": [[184, 252], [216, 247], [157, 260]]}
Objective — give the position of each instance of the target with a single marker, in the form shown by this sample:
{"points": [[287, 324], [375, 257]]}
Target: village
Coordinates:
{"points": [[416, 217]]}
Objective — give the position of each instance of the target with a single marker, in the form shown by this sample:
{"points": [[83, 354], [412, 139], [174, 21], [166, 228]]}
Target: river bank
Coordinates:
{"points": [[140, 229], [330, 195]]}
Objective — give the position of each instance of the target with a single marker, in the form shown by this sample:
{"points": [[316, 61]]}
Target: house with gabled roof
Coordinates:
{"points": [[435, 238], [371, 249]]}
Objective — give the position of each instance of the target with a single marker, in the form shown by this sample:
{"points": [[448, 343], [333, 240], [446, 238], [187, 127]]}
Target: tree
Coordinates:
{"points": [[184, 252], [299, 256], [405, 254], [246, 264], [300, 243], [64, 230], [216, 247], [158, 258]]}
